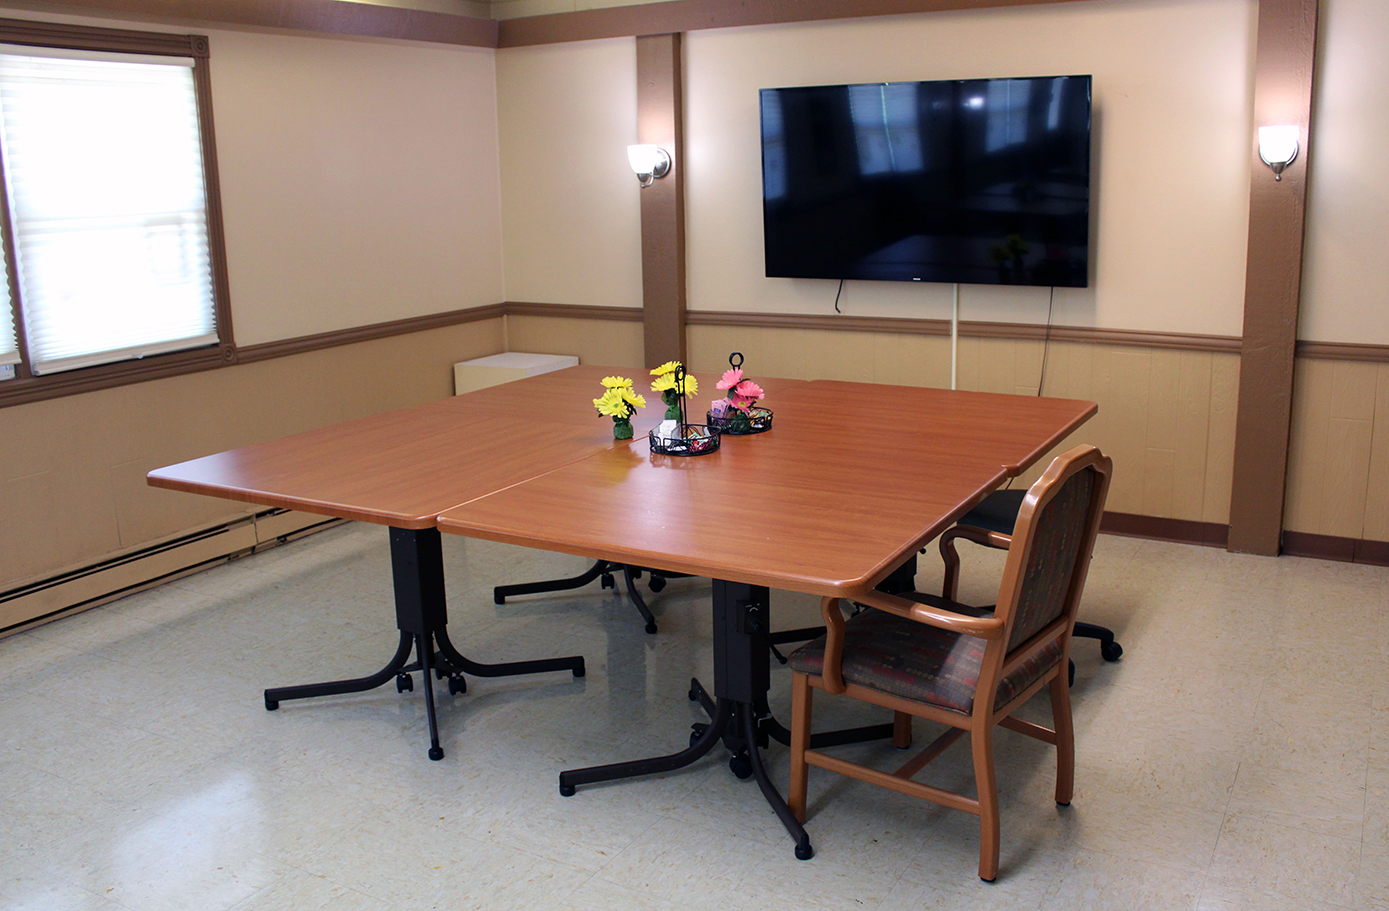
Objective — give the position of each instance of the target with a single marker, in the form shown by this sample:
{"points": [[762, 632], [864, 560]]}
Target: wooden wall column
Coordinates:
{"points": [[660, 121], [1282, 95]]}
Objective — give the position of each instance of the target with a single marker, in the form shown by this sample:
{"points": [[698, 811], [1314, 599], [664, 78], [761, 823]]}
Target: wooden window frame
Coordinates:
{"points": [[25, 386]]}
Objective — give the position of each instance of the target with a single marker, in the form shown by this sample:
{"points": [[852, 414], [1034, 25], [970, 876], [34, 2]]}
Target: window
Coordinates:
{"points": [[113, 247]]}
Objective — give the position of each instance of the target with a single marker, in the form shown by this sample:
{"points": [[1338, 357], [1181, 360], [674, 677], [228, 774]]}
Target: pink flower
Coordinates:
{"points": [[730, 378], [748, 389], [739, 402]]}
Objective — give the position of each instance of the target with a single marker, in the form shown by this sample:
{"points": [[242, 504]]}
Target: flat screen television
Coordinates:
{"points": [[984, 181]]}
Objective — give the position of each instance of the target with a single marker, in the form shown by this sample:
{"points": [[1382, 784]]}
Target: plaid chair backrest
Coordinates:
{"points": [[1058, 531]]}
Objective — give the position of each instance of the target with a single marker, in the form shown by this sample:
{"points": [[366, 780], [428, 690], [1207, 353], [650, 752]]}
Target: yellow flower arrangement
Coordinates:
{"points": [[665, 385], [619, 402]]}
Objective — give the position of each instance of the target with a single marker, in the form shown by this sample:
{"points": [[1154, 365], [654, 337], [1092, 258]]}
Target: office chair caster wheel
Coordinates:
{"points": [[436, 753], [404, 683], [1110, 651], [804, 851], [656, 583], [439, 673], [457, 685], [1071, 673], [741, 766], [651, 628], [606, 580]]}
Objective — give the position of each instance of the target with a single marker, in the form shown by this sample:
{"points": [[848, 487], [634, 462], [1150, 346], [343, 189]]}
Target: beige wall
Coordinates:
{"points": [[1166, 417], [611, 343], [359, 181], [1338, 465], [1172, 109], [73, 486], [1345, 282], [571, 211]]}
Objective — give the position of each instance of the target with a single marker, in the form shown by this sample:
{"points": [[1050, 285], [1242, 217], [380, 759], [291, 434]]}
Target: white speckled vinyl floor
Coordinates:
{"points": [[1237, 757]]}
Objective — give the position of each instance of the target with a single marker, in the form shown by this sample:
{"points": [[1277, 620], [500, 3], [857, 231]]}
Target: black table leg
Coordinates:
{"points": [[605, 569], [741, 681], [417, 568]]}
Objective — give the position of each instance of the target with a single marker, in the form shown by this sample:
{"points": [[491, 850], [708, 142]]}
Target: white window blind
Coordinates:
{"points": [[103, 163]]}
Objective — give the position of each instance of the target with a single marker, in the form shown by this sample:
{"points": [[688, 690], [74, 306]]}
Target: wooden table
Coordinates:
{"points": [[401, 469], [835, 500]]}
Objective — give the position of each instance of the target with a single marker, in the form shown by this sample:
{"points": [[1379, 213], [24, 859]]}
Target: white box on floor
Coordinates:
{"points": [[481, 372]]}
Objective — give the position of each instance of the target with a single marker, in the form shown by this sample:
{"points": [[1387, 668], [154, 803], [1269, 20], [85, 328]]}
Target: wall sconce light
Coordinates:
{"points": [[1278, 147], [649, 162]]}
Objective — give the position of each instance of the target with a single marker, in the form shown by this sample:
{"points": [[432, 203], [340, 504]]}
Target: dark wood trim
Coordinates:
{"points": [[661, 121], [1343, 351], [265, 351], [573, 311], [331, 17], [975, 329], [24, 389], [1283, 65], [87, 38], [1180, 531], [1332, 547], [693, 15]]}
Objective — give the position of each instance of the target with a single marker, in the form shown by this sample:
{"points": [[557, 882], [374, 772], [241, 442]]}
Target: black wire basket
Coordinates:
{"points": [[688, 439], [740, 423]]}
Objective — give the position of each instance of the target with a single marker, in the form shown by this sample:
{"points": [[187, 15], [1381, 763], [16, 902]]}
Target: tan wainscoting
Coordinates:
{"points": [[82, 587], [1166, 414], [73, 482], [1338, 460], [610, 336]]}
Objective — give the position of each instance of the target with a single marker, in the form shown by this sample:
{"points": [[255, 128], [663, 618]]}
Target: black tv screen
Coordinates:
{"points": [[984, 181]]}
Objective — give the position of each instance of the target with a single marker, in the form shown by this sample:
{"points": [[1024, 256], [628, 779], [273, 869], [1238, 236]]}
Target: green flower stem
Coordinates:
{"points": [[622, 429]]}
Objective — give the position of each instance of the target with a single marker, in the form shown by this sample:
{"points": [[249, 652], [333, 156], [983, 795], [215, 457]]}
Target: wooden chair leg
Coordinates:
{"points": [[801, 697], [1065, 738], [951, 588], [901, 730], [982, 741]]}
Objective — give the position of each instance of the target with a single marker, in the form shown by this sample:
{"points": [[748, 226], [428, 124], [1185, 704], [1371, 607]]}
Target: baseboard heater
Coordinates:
{"points": [[73, 590]]}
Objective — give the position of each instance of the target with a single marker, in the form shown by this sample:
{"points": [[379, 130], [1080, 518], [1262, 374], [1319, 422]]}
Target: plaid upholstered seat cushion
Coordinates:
{"points": [[904, 658]]}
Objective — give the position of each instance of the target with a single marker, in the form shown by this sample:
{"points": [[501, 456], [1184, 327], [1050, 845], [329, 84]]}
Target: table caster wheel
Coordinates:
{"points": [[439, 673], [651, 628], [404, 683], [457, 685], [271, 704], [566, 790], [693, 694], [741, 766], [804, 851], [1110, 651], [436, 753], [579, 671], [657, 583], [498, 597], [606, 580]]}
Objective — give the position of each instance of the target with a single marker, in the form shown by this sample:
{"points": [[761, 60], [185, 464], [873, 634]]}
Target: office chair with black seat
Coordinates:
{"points": [[965, 667], [998, 513]]}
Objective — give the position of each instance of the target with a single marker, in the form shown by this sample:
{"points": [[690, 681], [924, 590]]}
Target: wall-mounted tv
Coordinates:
{"points": [[984, 181]]}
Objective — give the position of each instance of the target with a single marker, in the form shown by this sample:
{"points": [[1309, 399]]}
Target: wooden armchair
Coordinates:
{"points": [[965, 667]]}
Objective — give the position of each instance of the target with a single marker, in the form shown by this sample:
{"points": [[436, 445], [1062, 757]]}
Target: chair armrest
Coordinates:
{"points": [[978, 627], [950, 589], [978, 536], [831, 671]]}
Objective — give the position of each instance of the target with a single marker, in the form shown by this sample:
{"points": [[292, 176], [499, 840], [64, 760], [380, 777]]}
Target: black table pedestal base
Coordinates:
{"points": [[417, 566], [605, 570]]}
